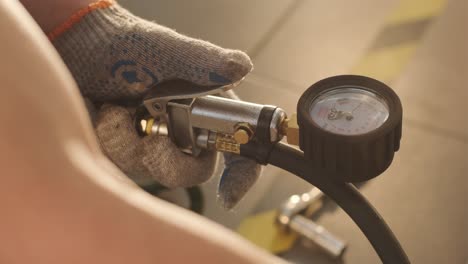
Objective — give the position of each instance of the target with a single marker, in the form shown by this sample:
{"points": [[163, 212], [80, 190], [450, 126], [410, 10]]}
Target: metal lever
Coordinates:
{"points": [[328, 242], [290, 218]]}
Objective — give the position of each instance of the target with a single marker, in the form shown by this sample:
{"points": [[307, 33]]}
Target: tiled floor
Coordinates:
{"points": [[231, 24], [294, 43], [321, 39]]}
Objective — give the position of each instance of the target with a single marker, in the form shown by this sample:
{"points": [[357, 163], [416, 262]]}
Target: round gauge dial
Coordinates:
{"points": [[349, 127], [349, 111]]}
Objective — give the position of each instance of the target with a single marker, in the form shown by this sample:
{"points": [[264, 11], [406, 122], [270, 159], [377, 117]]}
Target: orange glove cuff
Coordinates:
{"points": [[76, 17]]}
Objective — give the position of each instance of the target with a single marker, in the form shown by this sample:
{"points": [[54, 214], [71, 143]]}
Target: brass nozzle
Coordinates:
{"points": [[150, 126]]}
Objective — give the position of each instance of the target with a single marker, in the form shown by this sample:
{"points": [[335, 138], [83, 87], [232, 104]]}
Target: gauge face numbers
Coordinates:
{"points": [[349, 111]]}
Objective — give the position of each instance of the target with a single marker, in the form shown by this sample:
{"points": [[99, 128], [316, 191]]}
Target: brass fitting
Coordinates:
{"points": [[291, 129], [151, 127], [226, 143]]}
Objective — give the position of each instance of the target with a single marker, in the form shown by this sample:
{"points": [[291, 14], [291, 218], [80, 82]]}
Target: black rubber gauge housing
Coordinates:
{"points": [[355, 156]]}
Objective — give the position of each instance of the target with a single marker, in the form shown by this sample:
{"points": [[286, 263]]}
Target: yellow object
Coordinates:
{"points": [[292, 130], [262, 230], [398, 39], [149, 126], [226, 143], [391, 61], [413, 10]]}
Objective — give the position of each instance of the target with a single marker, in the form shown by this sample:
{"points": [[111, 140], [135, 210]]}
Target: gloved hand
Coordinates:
{"points": [[116, 56]]}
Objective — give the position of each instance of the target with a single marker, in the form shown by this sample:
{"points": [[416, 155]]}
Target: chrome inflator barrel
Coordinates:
{"points": [[212, 122]]}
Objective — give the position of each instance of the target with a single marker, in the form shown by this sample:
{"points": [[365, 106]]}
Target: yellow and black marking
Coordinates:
{"points": [[398, 40], [385, 60], [262, 230]]}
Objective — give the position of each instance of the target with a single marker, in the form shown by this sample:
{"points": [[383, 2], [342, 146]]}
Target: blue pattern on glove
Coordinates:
{"points": [[216, 78]]}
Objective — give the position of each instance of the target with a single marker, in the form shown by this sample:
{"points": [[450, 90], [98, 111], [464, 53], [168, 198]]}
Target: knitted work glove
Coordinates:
{"points": [[115, 56]]}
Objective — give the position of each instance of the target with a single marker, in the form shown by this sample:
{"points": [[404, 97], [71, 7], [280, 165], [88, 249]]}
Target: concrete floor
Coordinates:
{"points": [[293, 43]]}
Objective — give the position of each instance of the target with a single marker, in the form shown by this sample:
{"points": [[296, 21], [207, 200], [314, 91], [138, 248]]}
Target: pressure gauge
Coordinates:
{"points": [[349, 127]]}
